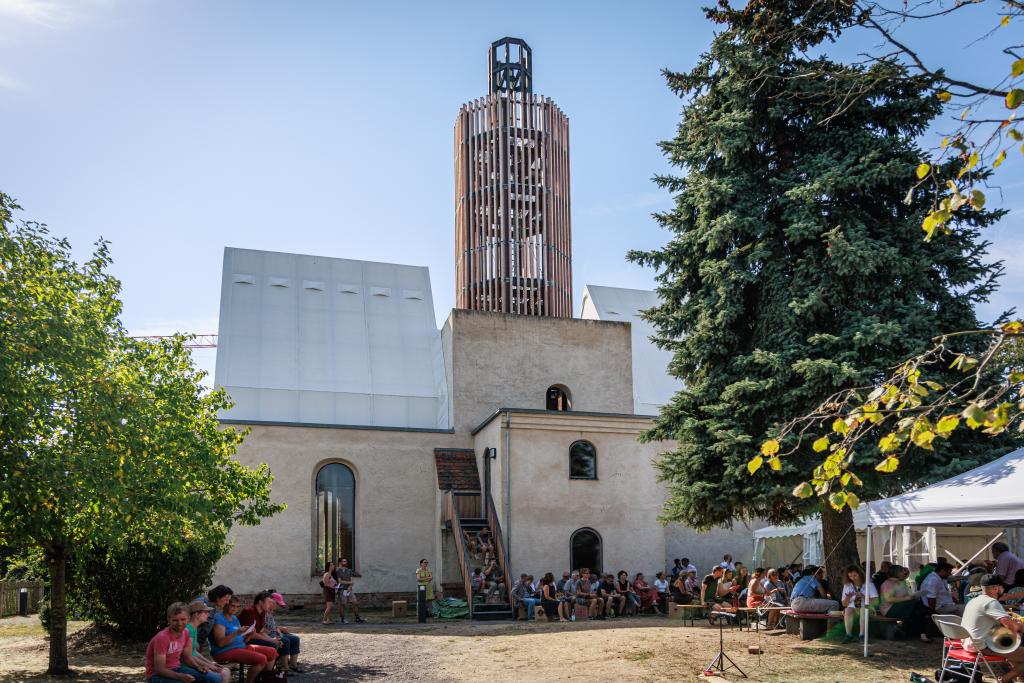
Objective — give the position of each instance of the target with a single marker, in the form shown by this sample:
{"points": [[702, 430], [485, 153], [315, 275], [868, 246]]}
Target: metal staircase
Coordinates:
{"points": [[464, 515]]}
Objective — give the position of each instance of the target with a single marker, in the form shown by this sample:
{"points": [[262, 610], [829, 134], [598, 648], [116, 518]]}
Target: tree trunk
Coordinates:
{"points": [[839, 545], [57, 559]]}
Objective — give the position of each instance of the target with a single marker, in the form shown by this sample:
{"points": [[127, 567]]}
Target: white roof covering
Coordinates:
{"points": [[309, 339], [990, 495], [653, 387]]}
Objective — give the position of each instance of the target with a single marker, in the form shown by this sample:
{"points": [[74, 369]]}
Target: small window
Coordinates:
{"points": [[582, 460], [558, 398]]}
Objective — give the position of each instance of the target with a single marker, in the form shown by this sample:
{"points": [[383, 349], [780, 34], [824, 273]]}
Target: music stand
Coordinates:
{"points": [[719, 662]]}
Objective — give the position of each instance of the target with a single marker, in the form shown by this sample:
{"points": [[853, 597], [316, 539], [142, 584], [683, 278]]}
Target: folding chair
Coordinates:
{"points": [[953, 635]]}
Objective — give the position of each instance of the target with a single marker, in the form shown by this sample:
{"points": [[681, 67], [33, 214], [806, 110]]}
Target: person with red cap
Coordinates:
{"points": [[289, 650]]}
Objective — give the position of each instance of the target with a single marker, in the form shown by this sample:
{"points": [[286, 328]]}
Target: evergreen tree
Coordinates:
{"points": [[796, 265]]}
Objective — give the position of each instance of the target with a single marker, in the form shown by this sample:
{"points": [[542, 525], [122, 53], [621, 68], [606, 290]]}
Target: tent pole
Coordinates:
{"points": [[867, 573]]}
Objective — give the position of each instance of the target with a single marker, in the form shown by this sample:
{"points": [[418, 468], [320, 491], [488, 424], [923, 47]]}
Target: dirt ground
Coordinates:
{"points": [[636, 649]]}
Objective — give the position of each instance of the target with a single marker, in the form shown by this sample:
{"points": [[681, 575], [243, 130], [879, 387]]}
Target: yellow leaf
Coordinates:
{"points": [[943, 96], [1014, 98], [888, 465], [1013, 327], [775, 463], [837, 500], [755, 464], [888, 443], [924, 439], [852, 500], [839, 427], [922, 170], [999, 159], [1017, 68], [947, 424], [820, 445], [1005, 21], [770, 447]]}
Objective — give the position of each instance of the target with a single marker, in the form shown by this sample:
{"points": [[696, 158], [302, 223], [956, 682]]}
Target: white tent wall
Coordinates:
{"points": [[778, 551]]}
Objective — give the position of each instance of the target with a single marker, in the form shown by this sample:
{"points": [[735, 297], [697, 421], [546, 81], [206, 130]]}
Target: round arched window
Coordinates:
{"points": [[335, 516], [582, 460], [558, 398]]}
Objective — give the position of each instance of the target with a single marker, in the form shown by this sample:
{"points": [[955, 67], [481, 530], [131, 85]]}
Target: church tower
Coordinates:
{"points": [[513, 240]]}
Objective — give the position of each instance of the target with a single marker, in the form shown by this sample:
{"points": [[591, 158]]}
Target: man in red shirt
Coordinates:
{"points": [[172, 646]]}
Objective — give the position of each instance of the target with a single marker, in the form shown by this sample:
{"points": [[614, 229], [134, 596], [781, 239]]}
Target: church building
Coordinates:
{"points": [[392, 440]]}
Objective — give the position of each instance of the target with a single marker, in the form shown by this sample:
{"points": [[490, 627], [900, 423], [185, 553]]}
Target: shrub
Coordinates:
{"points": [[127, 588]]}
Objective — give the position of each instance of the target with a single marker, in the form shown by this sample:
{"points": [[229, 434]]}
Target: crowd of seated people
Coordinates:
{"points": [[250, 636]]}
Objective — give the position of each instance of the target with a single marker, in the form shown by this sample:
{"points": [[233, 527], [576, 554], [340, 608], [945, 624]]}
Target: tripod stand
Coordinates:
{"points": [[719, 662]]}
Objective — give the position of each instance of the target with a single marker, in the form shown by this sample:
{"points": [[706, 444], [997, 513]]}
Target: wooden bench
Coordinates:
{"points": [[689, 613], [811, 625]]}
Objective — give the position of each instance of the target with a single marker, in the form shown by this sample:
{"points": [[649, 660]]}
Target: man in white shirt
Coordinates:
{"points": [[984, 612], [935, 591]]}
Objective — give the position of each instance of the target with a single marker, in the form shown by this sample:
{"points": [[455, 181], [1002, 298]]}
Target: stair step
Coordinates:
{"points": [[473, 521], [492, 616]]}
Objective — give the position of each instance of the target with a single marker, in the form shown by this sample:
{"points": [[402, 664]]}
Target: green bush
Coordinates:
{"points": [[126, 589]]}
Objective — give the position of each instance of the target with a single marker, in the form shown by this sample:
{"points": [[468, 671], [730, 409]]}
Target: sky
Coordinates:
{"points": [[175, 128]]}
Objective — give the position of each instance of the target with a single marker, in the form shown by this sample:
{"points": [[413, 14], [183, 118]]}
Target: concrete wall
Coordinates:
{"points": [[622, 505], [395, 518], [510, 361]]}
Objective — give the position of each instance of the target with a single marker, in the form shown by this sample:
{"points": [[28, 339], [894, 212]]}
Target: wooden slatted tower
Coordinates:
{"points": [[513, 241]]}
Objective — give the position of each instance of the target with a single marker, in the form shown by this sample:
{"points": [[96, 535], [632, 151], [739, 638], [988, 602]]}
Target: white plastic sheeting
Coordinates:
{"points": [[309, 339], [653, 387]]}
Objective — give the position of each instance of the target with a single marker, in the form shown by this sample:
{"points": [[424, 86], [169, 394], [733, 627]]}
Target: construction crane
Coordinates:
{"points": [[197, 341]]}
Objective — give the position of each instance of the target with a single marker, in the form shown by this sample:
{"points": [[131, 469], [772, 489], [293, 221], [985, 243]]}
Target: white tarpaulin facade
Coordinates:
{"points": [[952, 519]]}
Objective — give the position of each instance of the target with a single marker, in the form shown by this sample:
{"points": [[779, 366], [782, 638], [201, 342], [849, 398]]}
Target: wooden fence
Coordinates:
{"points": [[10, 592]]}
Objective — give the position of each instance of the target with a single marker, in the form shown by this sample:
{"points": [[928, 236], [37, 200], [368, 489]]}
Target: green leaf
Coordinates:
{"points": [[803, 490], [770, 447], [1015, 135], [975, 415], [923, 170], [978, 199], [888, 465], [1014, 98], [946, 424], [852, 500], [755, 464], [1017, 68], [837, 500], [820, 444]]}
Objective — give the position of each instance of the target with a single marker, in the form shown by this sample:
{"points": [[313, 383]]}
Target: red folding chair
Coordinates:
{"points": [[953, 635]]}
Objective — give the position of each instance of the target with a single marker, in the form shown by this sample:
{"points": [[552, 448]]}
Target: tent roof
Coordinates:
{"points": [[989, 495]]}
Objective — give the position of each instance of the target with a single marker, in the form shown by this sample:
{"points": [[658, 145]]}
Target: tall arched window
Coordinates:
{"points": [[585, 550], [335, 515], [557, 398], [582, 460]]}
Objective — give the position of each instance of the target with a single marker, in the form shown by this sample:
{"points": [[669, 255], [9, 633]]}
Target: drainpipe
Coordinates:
{"points": [[508, 491]]}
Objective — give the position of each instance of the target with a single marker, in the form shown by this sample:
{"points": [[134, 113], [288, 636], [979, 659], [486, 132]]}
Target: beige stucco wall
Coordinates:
{"points": [[622, 505], [705, 549], [396, 502], [510, 361]]}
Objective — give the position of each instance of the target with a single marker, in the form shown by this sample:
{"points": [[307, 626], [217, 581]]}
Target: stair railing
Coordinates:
{"points": [[499, 546], [452, 507]]}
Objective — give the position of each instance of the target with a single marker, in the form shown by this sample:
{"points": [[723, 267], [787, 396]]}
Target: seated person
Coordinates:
{"points": [[172, 646], [494, 580], [522, 594], [809, 595], [728, 589], [856, 592], [935, 593], [613, 599], [984, 612], [775, 589], [647, 594], [899, 602], [484, 544], [624, 587], [709, 588], [567, 598], [199, 614], [1015, 593], [560, 584], [476, 581], [228, 641], [548, 596], [586, 594], [661, 585], [289, 641]]}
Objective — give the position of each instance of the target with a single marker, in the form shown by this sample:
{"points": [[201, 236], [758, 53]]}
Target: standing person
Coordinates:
{"points": [[688, 567], [199, 614], [727, 563], [424, 577], [984, 612], [330, 585], [809, 595], [289, 641], [346, 592], [677, 568], [1006, 564], [856, 591], [228, 644], [172, 646]]}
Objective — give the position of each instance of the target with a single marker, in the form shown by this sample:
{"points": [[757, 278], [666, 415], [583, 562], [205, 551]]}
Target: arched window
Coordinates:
{"points": [[558, 398], [335, 515], [582, 460], [585, 550]]}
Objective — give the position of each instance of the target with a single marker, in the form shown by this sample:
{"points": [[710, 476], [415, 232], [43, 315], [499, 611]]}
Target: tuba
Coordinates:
{"points": [[1002, 640]]}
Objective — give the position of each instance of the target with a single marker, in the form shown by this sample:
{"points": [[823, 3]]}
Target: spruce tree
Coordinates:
{"points": [[796, 265]]}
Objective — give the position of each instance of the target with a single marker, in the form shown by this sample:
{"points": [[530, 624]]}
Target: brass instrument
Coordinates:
{"points": [[1003, 640]]}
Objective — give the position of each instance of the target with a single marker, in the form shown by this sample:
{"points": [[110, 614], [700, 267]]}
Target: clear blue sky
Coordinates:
{"points": [[175, 129]]}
